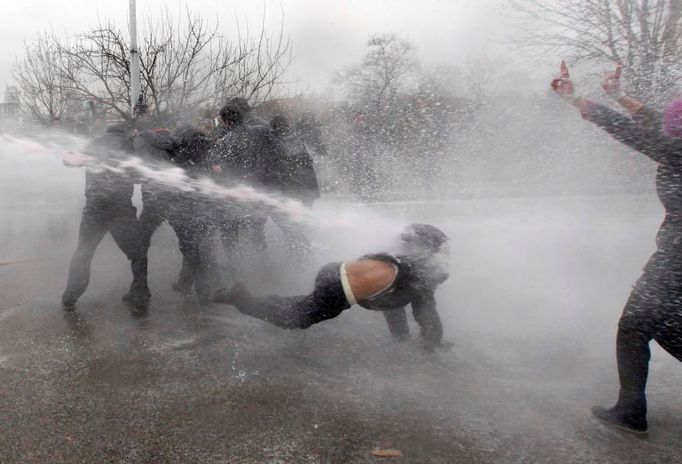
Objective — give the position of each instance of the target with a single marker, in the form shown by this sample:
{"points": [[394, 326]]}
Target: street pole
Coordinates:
{"points": [[134, 60]]}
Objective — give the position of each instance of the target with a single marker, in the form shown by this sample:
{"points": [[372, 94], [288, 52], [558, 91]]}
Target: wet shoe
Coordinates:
{"points": [[620, 420], [68, 305], [139, 301], [225, 296], [182, 287]]}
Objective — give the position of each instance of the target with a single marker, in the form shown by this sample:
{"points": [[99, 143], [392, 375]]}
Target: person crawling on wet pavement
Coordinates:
{"points": [[381, 282]]}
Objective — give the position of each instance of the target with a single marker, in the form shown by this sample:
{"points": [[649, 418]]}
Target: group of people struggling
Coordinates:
{"points": [[390, 282], [240, 150], [272, 158]]}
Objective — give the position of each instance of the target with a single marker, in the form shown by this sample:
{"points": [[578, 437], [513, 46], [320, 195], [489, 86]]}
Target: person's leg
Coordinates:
{"points": [[207, 274], [188, 246], [670, 335], [326, 301], [397, 323], [296, 241], [636, 328], [133, 236], [94, 226]]}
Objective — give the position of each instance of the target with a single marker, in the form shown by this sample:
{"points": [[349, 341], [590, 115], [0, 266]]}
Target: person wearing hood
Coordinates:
{"points": [[108, 208], [246, 154], [382, 282], [654, 308], [297, 180]]}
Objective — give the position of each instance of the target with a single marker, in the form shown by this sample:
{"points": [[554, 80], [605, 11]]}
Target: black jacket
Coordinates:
{"points": [[104, 188], [415, 284], [249, 154], [157, 149], [643, 133], [298, 178]]}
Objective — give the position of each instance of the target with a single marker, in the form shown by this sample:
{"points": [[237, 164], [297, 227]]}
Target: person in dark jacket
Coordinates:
{"points": [[654, 309], [156, 147], [381, 282], [298, 181], [246, 154], [108, 208], [310, 132], [189, 216]]}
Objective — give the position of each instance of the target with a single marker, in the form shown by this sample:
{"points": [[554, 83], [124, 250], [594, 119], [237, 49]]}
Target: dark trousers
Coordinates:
{"points": [[326, 301], [193, 232], [653, 312], [97, 220], [242, 237], [296, 241]]}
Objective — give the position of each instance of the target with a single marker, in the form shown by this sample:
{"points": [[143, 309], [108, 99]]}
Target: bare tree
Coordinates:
{"points": [[184, 65], [44, 93], [383, 71], [643, 35]]}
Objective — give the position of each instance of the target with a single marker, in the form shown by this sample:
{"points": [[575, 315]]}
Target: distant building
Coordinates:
{"points": [[10, 108]]}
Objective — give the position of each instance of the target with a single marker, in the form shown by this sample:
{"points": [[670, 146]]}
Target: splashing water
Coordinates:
{"points": [[70, 150]]}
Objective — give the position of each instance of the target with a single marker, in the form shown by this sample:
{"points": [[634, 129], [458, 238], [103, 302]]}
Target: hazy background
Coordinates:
{"points": [[327, 35]]}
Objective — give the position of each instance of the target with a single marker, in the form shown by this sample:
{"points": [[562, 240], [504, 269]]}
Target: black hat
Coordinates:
{"points": [[424, 235], [234, 110], [279, 123]]}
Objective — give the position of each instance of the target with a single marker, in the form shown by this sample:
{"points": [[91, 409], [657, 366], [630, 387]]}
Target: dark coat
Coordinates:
{"points": [[249, 154], [104, 188], [415, 284], [298, 177], [643, 133]]}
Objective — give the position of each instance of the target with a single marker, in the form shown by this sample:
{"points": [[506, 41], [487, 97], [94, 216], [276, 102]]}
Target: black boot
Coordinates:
{"points": [[183, 287], [622, 418], [237, 293], [68, 303], [137, 298]]}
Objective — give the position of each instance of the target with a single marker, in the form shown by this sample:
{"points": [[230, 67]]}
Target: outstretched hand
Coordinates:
{"points": [[76, 160], [563, 85], [611, 83]]}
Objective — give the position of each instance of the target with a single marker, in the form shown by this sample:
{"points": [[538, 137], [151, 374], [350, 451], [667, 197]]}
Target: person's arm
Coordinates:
{"points": [[426, 315], [648, 118], [397, 323], [626, 130], [651, 143]]}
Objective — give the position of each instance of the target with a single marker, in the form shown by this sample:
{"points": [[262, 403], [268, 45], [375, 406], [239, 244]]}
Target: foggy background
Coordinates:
{"points": [[551, 222]]}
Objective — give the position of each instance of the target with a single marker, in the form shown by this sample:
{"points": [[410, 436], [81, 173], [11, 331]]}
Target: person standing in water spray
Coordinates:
{"points": [[381, 282], [654, 309], [108, 208]]}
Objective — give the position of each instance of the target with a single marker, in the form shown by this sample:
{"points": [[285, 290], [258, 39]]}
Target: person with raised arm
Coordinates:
{"points": [[654, 309]]}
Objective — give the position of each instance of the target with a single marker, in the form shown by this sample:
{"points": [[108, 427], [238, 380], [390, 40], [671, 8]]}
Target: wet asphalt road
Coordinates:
{"points": [[191, 384]]}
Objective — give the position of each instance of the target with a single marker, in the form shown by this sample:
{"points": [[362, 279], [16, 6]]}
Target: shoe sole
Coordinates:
{"points": [[638, 433]]}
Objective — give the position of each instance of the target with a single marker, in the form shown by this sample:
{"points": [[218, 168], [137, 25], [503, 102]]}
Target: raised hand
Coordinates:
{"points": [[562, 85], [611, 83]]}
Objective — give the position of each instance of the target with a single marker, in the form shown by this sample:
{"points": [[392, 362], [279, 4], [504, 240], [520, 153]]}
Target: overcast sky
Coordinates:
{"points": [[326, 35]]}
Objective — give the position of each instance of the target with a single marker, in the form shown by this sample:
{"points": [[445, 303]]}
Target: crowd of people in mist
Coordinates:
{"points": [[240, 151]]}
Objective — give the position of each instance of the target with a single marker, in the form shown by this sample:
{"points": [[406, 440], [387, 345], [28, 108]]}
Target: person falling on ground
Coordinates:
{"points": [[381, 282], [654, 309]]}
